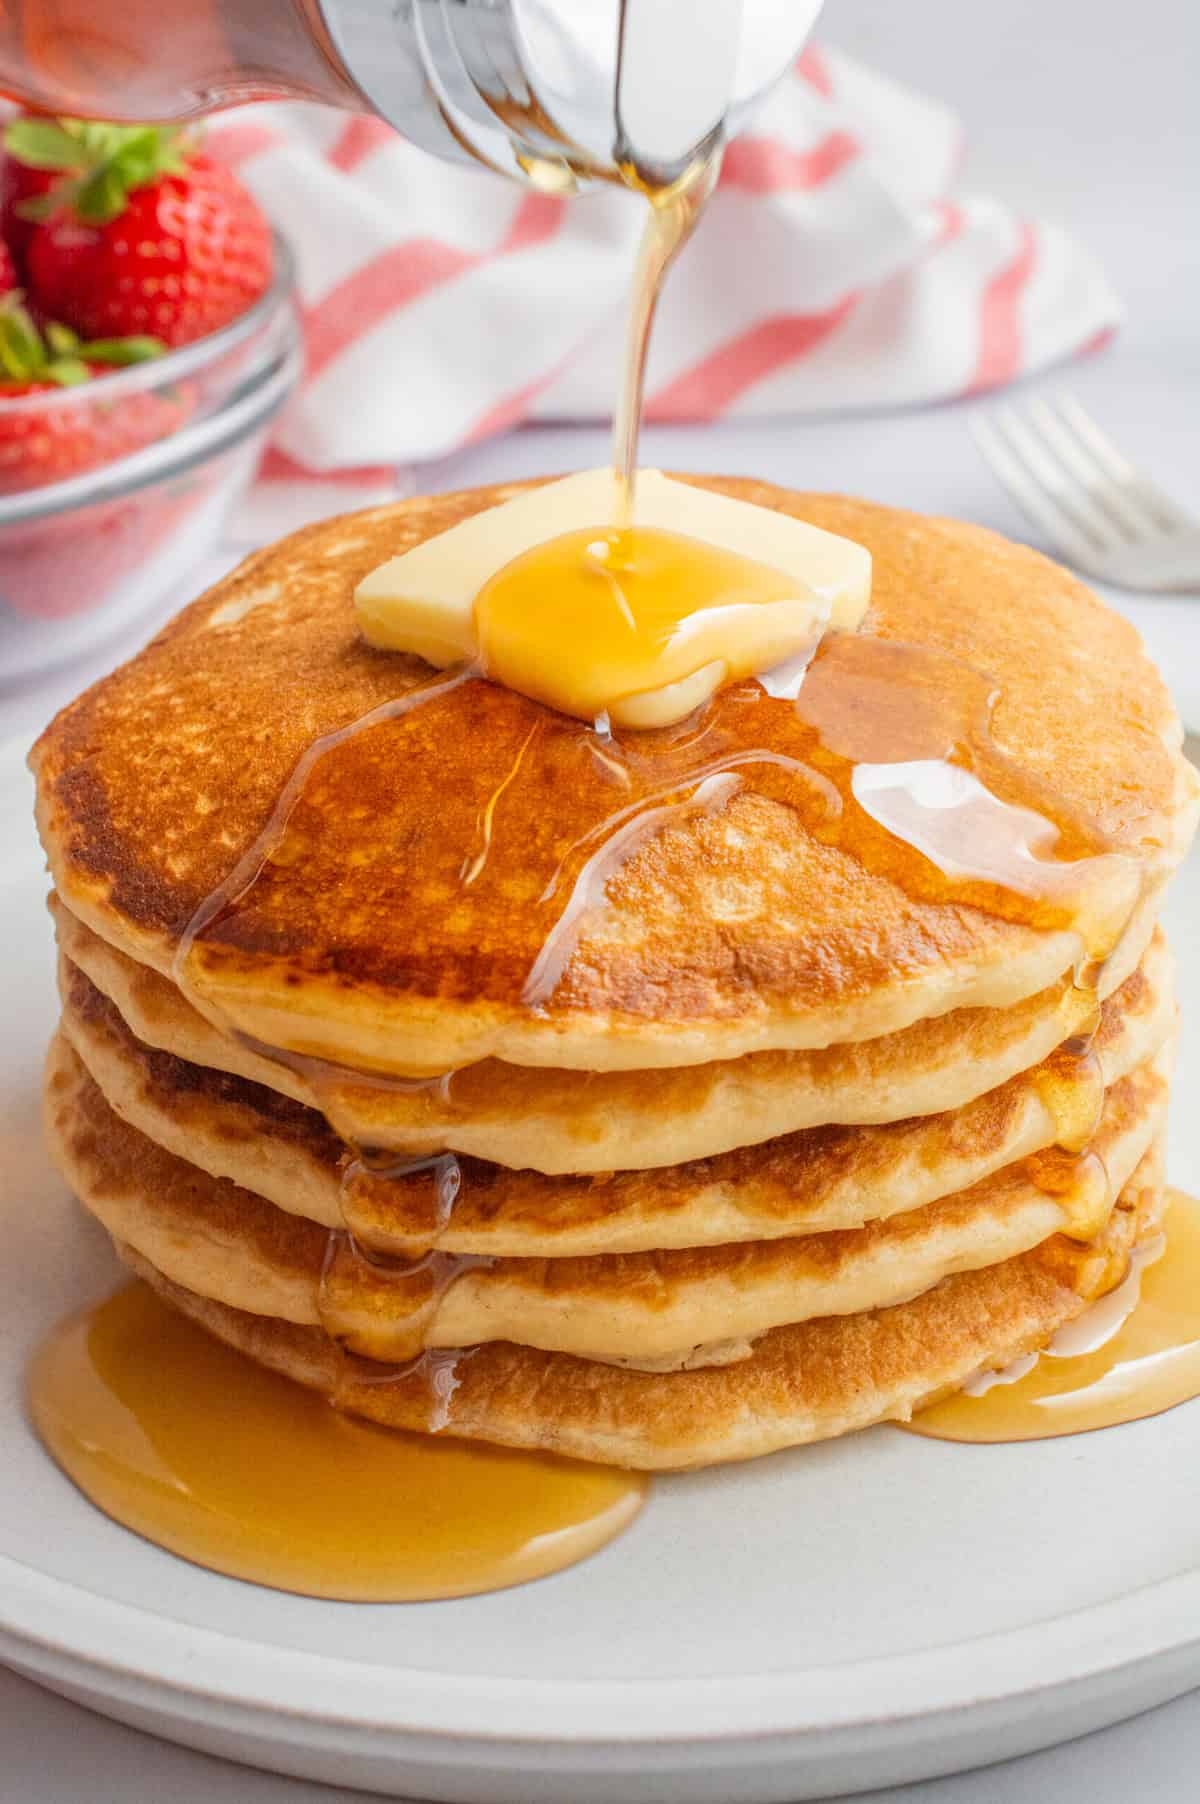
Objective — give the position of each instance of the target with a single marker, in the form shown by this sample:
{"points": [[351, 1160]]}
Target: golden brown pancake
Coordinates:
{"points": [[755, 1024], [600, 1122], [783, 917], [802, 1383], [228, 1244], [811, 1182]]}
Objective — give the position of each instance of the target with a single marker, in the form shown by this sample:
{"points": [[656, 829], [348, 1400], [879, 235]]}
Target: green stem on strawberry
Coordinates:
{"points": [[59, 355], [101, 163], [139, 347]]}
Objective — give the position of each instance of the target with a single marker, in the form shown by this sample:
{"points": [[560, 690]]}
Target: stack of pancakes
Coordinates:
{"points": [[747, 1141]]}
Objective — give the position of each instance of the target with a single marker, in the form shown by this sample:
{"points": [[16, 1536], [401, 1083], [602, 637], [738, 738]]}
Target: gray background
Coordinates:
{"points": [[1085, 111]]}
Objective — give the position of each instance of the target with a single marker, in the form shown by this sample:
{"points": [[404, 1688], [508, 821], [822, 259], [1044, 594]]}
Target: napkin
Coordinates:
{"points": [[837, 267]]}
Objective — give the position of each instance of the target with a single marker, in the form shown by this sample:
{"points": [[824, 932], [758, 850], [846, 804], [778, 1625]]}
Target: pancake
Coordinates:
{"points": [[228, 1244], [570, 1122], [802, 1383], [814, 1181], [779, 916]]}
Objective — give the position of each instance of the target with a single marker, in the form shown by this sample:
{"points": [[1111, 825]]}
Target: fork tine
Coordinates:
{"points": [[1028, 496], [1109, 493], [1079, 506], [1160, 507]]}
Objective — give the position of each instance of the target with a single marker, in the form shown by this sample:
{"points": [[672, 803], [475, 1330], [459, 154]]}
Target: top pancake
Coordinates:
{"points": [[743, 921]]}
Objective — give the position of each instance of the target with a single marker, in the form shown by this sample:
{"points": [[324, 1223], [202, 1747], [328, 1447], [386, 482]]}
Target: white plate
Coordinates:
{"points": [[872, 1611]]}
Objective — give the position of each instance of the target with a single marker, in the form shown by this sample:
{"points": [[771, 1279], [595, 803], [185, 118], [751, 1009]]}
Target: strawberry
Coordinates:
{"points": [[151, 236], [8, 271], [47, 444]]}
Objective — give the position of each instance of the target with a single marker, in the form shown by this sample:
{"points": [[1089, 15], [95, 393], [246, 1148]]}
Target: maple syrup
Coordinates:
{"points": [[1134, 1353], [884, 753], [427, 1212], [380, 1306], [1071, 1085], [674, 213], [643, 611], [654, 620], [190, 1444]]}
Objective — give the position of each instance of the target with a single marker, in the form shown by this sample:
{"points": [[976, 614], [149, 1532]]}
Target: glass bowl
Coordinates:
{"points": [[83, 556], [168, 392]]}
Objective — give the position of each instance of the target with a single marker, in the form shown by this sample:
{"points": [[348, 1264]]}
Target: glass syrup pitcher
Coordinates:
{"points": [[554, 92]]}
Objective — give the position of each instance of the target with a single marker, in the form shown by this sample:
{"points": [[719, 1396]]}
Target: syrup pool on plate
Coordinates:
{"points": [[1134, 1353], [238, 1469]]}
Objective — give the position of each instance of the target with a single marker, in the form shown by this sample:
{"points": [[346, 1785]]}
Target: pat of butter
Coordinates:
{"points": [[424, 601]]}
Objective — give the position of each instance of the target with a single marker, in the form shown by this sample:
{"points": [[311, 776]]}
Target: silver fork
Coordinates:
{"points": [[1097, 510]]}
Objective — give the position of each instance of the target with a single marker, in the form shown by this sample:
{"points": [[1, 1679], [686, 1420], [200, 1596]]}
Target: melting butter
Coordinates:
{"points": [[641, 623]]}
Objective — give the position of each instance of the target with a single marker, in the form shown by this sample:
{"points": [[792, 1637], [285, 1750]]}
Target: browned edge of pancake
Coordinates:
{"points": [[814, 1181], [229, 1243], [564, 1122], [804, 1383]]}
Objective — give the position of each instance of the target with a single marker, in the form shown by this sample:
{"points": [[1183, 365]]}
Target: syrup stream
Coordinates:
{"points": [[673, 216]]}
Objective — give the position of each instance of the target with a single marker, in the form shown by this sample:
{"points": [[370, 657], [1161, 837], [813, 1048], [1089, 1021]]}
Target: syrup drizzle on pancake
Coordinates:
{"points": [[1134, 1353], [475, 860], [432, 1210], [885, 754], [354, 1275], [1071, 1084], [883, 749], [233, 1467]]}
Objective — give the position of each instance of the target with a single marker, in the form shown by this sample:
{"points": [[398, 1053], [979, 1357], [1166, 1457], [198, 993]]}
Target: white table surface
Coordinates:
{"points": [[1079, 109]]}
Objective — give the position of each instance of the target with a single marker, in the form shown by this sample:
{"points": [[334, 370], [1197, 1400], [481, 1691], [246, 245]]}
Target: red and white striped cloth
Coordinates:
{"points": [[836, 268]]}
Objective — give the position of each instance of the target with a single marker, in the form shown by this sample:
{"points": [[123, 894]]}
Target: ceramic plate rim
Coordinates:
{"points": [[1106, 1639]]}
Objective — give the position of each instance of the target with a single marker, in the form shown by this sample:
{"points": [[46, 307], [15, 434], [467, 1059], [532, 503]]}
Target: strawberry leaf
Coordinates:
{"points": [[40, 207], [62, 341], [121, 352], [59, 355], [100, 197], [22, 353], [68, 372], [45, 144], [141, 155]]}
